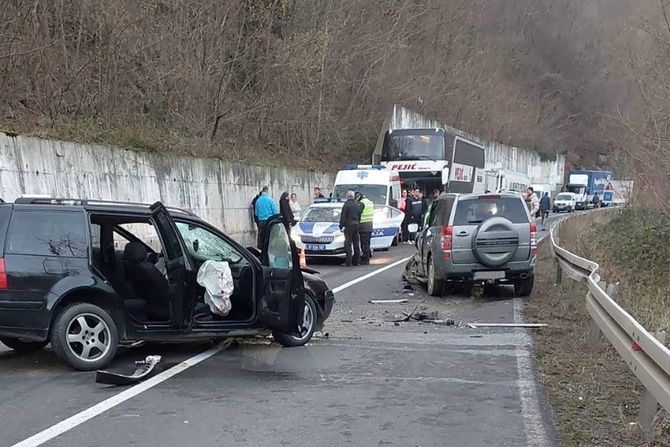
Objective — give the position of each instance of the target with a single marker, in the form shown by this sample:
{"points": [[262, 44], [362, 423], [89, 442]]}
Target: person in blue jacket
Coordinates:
{"points": [[264, 209]]}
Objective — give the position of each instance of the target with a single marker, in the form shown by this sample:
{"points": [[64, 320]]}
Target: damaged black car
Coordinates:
{"points": [[89, 275]]}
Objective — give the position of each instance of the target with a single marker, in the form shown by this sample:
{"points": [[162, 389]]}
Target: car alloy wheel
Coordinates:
{"points": [[88, 337]]}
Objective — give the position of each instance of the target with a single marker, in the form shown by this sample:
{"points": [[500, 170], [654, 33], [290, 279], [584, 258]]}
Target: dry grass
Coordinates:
{"points": [[594, 396]]}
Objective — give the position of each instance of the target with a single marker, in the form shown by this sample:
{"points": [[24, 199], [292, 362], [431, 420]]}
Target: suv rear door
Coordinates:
{"points": [[282, 297], [181, 280], [472, 212]]}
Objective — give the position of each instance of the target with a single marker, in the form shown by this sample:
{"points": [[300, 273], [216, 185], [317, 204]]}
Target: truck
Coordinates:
{"points": [[584, 184], [433, 158], [502, 180], [617, 192]]}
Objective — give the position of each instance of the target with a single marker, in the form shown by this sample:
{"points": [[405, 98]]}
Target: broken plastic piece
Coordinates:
{"points": [[403, 300], [143, 371], [636, 347]]}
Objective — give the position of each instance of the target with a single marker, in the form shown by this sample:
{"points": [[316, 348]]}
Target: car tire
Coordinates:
{"points": [[23, 347], [524, 287], [434, 286], [310, 317], [395, 241], [85, 336]]}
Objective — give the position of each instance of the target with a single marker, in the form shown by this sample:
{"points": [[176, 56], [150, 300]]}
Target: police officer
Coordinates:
{"points": [[365, 226]]}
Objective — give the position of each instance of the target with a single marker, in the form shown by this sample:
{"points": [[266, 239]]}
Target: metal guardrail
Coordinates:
{"points": [[647, 356]]}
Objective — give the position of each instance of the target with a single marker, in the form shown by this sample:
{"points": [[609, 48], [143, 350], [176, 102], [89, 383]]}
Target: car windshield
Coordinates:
{"points": [[416, 147], [322, 214], [376, 193], [475, 211], [564, 197]]}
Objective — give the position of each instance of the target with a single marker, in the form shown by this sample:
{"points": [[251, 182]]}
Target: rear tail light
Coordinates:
{"points": [[3, 275], [447, 233], [533, 239]]}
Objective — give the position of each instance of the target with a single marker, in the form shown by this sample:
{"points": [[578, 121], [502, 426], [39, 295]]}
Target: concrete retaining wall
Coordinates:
{"points": [[218, 191]]}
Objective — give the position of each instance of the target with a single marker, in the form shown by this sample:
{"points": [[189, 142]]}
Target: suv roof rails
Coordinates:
{"points": [[41, 200]]}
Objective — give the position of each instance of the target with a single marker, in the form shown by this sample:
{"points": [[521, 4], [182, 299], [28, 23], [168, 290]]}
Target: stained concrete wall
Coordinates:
{"points": [[498, 155], [218, 191]]}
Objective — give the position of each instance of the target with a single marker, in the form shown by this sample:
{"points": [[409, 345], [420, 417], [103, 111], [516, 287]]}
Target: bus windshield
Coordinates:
{"points": [[376, 193], [415, 147]]}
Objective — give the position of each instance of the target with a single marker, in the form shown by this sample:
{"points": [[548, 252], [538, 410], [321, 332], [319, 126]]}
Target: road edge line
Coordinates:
{"points": [[531, 414], [117, 399]]}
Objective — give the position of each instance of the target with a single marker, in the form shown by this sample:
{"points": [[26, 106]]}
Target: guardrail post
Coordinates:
{"points": [[649, 405], [559, 273]]}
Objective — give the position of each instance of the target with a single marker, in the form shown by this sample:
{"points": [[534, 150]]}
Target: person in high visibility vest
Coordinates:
{"points": [[365, 227]]}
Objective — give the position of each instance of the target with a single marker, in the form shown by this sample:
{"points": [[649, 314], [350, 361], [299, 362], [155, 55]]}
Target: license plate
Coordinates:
{"points": [[315, 247], [489, 275]]}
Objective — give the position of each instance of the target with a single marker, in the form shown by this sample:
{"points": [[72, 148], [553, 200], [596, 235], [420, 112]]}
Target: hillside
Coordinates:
{"points": [[308, 82]]}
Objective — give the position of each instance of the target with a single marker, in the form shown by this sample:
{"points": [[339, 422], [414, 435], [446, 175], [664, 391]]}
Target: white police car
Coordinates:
{"points": [[318, 230]]}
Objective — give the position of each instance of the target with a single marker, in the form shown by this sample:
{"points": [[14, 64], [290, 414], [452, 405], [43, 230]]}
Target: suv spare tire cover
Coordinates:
{"points": [[495, 242]]}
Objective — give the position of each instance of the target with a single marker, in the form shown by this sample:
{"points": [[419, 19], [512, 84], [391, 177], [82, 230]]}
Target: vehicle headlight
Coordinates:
{"points": [[339, 237]]}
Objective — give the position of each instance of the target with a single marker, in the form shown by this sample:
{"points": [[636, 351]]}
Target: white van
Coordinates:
{"points": [[378, 184]]}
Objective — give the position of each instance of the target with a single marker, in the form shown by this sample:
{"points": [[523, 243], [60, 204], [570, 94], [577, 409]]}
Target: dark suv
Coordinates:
{"points": [[88, 275], [477, 238]]}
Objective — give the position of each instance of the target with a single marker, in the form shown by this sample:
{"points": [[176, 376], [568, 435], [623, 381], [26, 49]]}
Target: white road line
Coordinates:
{"points": [[370, 275], [536, 433], [107, 404]]}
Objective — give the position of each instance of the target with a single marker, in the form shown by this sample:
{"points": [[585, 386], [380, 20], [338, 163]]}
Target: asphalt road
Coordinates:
{"points": [[364, 381]]}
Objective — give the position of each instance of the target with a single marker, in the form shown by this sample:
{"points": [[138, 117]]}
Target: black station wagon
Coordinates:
{"points": [[88, 275]]}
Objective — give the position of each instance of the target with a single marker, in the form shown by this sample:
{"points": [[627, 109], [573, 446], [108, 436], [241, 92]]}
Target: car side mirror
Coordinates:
{"points": [[196, 245]]}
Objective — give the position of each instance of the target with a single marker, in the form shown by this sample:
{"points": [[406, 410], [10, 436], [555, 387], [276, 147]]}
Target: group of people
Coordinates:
{"points": [[263, 207], [537, 207], [356, 224], [414, 205]]}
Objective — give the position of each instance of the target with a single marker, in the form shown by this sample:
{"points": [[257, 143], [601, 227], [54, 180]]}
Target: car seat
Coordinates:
{"points": [[149, 283]]}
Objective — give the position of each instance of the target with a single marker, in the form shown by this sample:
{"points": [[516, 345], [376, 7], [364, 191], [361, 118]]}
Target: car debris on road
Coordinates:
{"points": [[520, 325], [144, 369]]}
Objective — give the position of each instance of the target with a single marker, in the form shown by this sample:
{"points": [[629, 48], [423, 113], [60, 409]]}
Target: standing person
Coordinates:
{"points": [[596, 200], [532, 202], [285, 210], [295, 207], [436, 193], [415, 209], [265, 208], [365, 227], [317, 193], [253, 214], [402, 206], [545, 206], [349, 222]]}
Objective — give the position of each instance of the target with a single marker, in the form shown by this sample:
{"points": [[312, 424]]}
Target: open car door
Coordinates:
{"points": [[282, 296], [178, 267]]}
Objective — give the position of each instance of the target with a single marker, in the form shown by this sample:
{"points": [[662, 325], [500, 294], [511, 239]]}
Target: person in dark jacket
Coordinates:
{"points": [[285, 209], [416, 207], [253, 213], [545, 206], [349, 222]]}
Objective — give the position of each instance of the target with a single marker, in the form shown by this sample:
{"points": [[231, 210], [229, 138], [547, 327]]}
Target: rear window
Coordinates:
{"points": [[475, 211], [48, 233]]}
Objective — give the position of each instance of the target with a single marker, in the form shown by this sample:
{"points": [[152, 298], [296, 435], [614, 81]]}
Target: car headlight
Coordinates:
{"points": [[339, 237]]}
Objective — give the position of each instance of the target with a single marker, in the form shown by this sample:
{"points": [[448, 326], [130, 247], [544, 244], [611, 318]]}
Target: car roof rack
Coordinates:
{"points": [[42, 200]]}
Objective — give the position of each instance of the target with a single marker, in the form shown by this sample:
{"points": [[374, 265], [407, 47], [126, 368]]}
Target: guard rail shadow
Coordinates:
{"points": [[645, 354]]}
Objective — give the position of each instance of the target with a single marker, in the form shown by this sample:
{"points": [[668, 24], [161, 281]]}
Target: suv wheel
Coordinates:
{"points": [[309, 322], [524, 287], [85, 336], [23, 346], [435, 286]]}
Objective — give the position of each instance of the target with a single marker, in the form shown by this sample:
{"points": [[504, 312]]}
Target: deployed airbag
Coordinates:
{"points": [[217, 279]]}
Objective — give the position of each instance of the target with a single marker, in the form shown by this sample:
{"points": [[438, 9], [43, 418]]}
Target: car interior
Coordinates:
{"points": [[129, 254]]}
